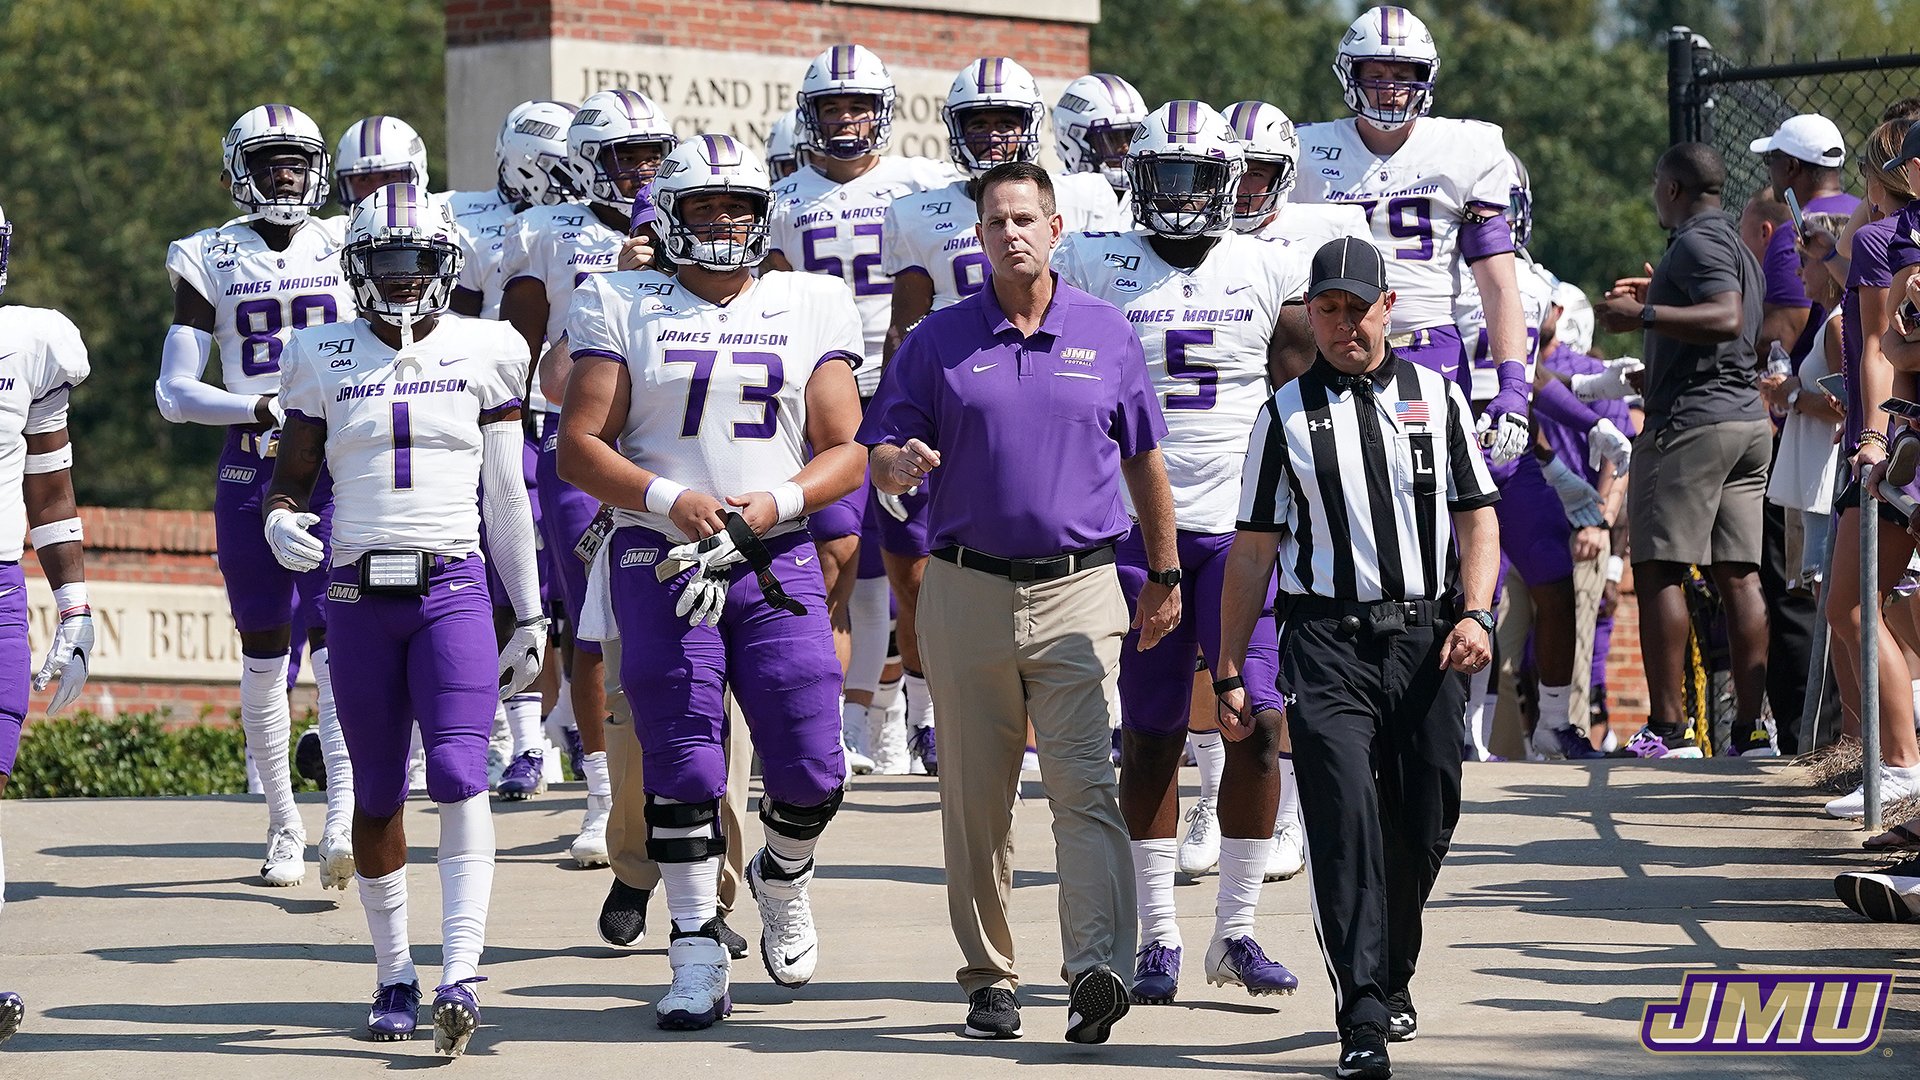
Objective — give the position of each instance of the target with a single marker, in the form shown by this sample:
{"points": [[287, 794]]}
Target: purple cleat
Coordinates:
{"points": [[12, 1012], [921, 746], [576, 752], [1238, 961], [456, 1016], [525, 777], [396, 1012], [1156, 975]]}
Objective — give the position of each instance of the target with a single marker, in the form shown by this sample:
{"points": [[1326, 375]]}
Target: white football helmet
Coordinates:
{"points": [[377, 144], [846, 69], [607, 122], [1575, 328], [786, 154], [1185, 165], [704, 165], [402, 237], [261, 134], [1093, 123], [531, 152], [6, 247], [1388, 33], [1520, 203], [992, 82], [1269, 137]]}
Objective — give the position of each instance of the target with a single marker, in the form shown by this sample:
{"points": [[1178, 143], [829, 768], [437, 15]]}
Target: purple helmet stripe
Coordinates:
{"points": [[990, 74], [722, 150], [1243, 120], [277, 116], [402, 210], [370, 136], [1111, 83], [626, 98], [1393, 25], [841, 62]]}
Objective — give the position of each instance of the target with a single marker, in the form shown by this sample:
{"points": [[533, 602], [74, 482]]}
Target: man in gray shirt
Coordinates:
{"points": [[1700, 464]]}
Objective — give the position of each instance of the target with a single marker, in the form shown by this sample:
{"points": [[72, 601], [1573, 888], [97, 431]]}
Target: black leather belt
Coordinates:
{"points": [[1023, 570], [1412, 612]]}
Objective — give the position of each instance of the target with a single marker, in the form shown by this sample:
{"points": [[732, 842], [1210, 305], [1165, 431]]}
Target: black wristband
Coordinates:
{"points": [[1231, 682]]}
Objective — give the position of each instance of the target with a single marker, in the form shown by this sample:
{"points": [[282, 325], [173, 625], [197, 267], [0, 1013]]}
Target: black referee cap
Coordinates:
{"points": [[1350, 264]]}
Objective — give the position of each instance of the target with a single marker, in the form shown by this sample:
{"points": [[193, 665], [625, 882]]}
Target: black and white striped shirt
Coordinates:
{"points": [[1360, 474]]}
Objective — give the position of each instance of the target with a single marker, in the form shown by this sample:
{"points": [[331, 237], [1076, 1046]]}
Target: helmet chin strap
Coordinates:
{"points": [[406, 330]]}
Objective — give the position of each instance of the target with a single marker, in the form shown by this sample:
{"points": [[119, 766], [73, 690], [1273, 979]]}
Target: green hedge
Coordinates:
{"points": [[139, 754]]}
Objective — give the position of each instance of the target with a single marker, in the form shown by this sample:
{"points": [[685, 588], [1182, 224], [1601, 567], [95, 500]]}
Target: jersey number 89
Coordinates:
{"points": [[261, 321]]}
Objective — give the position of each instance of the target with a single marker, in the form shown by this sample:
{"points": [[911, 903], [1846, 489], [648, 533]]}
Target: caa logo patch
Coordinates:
{"points": [[1334, 173], [225, 264], [640, 557], [945, 226], [343, 592], [236, 474], [1126, 284], [340, 363]]}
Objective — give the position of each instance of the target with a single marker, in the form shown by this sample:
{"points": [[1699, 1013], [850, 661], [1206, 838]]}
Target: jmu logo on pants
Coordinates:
{"points": [[1737, 1012]]}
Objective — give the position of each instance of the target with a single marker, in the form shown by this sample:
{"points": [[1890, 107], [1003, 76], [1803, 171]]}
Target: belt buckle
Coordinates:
{"points": [[1023, 570], [1400, 341]]}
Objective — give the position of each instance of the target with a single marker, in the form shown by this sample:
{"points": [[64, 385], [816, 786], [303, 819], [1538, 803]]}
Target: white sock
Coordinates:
{"points": [[1153, 863], [333, 747], [789, 854], [466, 885], [384, 899], [557, 721], [268, 724], [692, 888], [919, 702], [1289, 796], [500, 733], [1553, 706], [1243, 865], [886, 694], [599, 785], [1479, 720], [523, 719], [1211, 754], [867, 619]]}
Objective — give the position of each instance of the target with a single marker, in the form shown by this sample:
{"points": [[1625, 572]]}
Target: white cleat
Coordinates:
{"points": [[336, 860], [286, 857], [788, 944], [858, 764], [550, 770], [698, 998], [887, 741], [1288, 856], [1200, 848], [590, 847]]}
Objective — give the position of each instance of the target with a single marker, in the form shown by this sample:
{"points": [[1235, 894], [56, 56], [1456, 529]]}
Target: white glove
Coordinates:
{"points": [[1610, 384], [705, 594], [1608, 443], [1582, 503], [277, 410], [1505, 439], [293, 546], [895, 505], [520, 660], [67, 660], [702, 599]]}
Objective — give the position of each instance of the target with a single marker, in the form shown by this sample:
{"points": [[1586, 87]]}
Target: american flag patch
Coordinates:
{"points": [[1412, 412]]}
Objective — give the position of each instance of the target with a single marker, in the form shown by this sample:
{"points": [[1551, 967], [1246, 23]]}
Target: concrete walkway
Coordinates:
{"points": [[1574, 895]]}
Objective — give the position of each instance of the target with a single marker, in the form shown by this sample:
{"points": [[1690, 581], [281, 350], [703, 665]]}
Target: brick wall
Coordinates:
{"points": [[908, 38], [1626, 676]]}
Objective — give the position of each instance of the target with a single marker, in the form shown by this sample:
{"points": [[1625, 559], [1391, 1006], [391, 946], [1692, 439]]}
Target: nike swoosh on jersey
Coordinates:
{"points": [[1242, 288], [978, 368], [450, 363]]}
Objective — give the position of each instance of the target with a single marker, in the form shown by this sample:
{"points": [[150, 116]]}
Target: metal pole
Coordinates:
{"points": [[1679, 85], [1870, 650], [1809, 729]]}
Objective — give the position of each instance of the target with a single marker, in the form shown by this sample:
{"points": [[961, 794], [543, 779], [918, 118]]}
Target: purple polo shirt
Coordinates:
{"points": [[1782, 269], [1031, 430]]}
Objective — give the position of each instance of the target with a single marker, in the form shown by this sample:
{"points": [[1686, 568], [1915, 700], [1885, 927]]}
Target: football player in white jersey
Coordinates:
{"points": [[376, 151], [714, 410], [786, 152], [416, 412], [1434, 191], [827, 219], [614, 146], [43, 360], [530, 156], [1273, 164], [246, 284], [1220, 321], [1094, 122]]}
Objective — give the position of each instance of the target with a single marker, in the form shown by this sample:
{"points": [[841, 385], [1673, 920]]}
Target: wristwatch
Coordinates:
{"points": [[1646, 317], [1169, 577], [1481, 616]]}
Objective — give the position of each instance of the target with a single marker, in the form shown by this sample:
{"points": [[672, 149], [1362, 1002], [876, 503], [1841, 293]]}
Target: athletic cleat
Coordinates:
{"points": [[499, 756], [1564, 743], [1095, 1003], [858, 764], [623, 915], [417, 777], [1890, 894], [550, 765], [456, 1016], [887, 741], [309, 760], [12, 1012], [1156, 974], [789, 947], [1646, 744], [1754, 741], [992, 1013], [336, 861], [1288, 856], [1363, 1054], [1895, 785], [698, 998], [286, 857], [1200, 848], [1403, 1020], [525, 777], [590, 847], [1238, 961], [576, 752], [396, 1012], [737, 946], [1030, 761], [926, 756]]}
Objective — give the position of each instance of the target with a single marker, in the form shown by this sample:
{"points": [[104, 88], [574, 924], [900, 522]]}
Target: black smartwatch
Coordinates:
{"points": [[1646, 317], [1170, 577], [1481, 616]]}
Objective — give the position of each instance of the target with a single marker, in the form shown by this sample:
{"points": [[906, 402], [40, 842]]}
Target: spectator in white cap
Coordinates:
{"points": [[1804, 156]]}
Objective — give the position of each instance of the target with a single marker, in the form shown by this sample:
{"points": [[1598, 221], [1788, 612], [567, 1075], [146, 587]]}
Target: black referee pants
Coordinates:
{"points": [[1376, 749]]}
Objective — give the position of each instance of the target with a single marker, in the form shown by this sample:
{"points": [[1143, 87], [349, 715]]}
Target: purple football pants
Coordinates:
{"points": [[263, 594], [1534, 533], [780, 667], [1156, 686], [1439, 348], [402, 659], [16, 662], [565, 514]]}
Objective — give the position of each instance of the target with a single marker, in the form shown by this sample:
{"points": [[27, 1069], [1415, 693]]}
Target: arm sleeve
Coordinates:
{"points": [[1266, 486], [508, 517], [300, 384], [63, 366], [903, 406], [183, 396], [1469, 486], [588, 331]]}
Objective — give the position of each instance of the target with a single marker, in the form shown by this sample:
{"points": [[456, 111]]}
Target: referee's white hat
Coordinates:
{"points": [[1349, 264]]}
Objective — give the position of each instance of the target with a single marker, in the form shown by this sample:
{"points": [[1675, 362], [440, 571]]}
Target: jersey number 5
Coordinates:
{"points": [[1205, 377]]}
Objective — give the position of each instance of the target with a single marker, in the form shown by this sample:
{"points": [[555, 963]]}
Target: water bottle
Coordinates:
{"points": [[1778, 362]]}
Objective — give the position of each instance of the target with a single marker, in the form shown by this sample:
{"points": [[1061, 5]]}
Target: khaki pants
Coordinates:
{"points": [[627, 827], [998, 653], [1509, 736]]}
